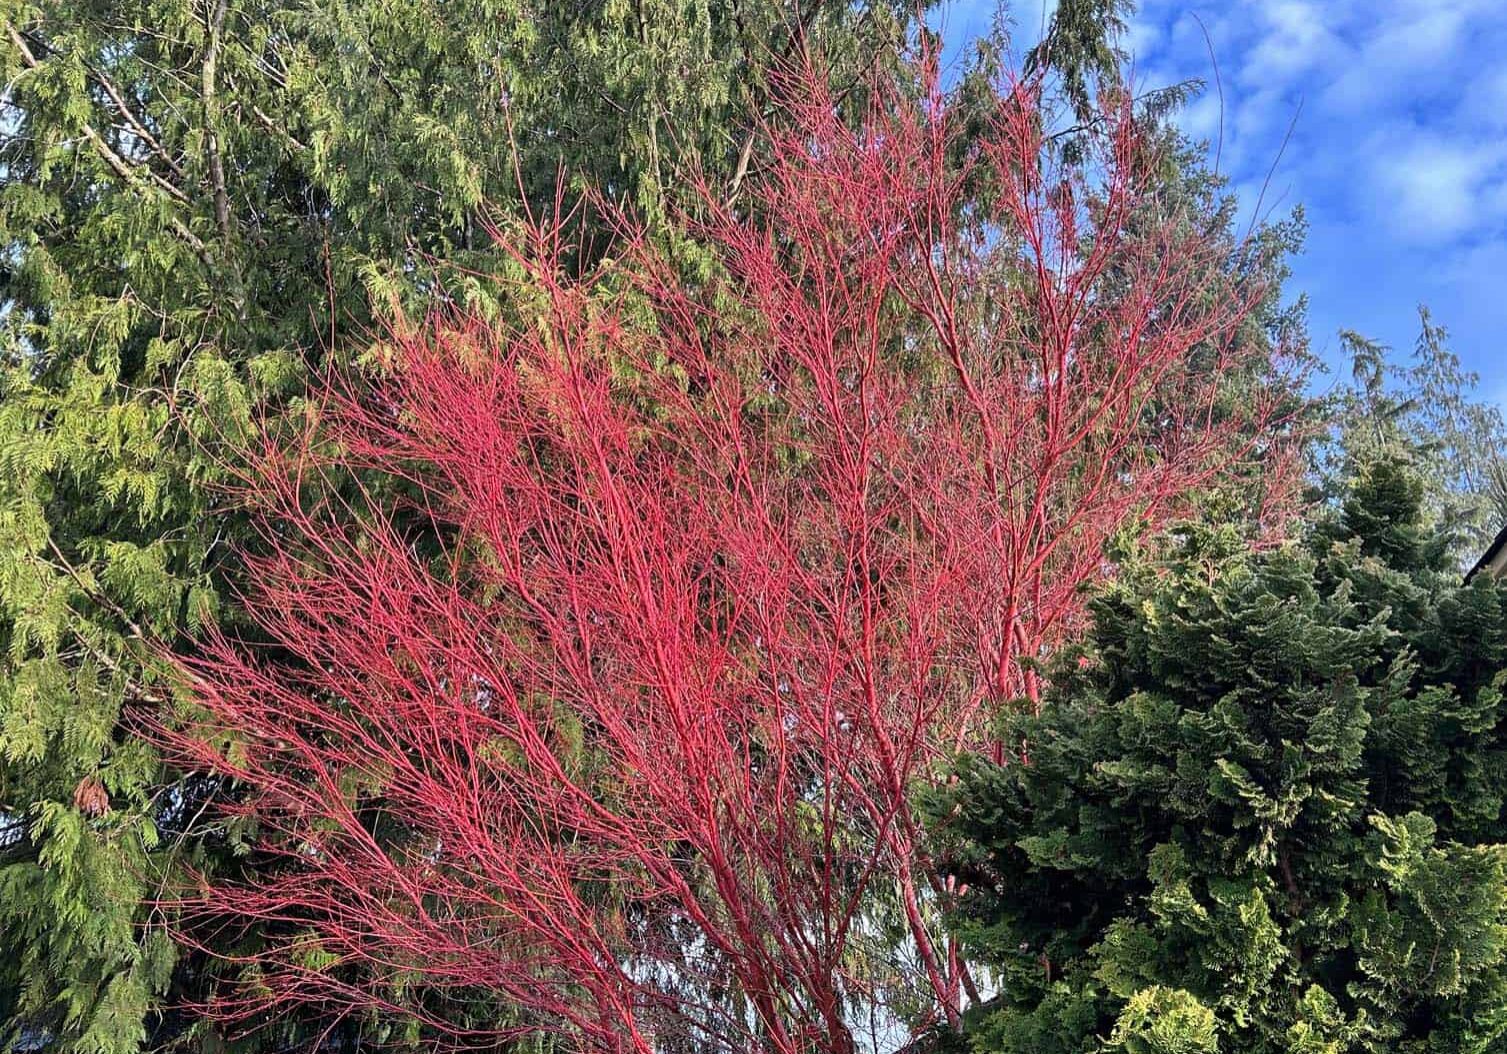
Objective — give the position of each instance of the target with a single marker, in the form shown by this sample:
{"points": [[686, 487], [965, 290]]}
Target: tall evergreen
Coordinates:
{"points": [[196, 198], [1263, 811]]}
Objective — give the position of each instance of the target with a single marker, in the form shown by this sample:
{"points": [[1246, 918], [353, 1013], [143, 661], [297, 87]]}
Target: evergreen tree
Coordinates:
{"points": [[1261, 813], [195, 197], [1430, 414], [1081, 45]]}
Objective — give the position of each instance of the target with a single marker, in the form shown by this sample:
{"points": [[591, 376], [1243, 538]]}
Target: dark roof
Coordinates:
{"points": [[1491, 553]]}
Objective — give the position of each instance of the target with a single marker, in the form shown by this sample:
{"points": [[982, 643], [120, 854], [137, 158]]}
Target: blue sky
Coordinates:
{"points": [[1398, 153]]}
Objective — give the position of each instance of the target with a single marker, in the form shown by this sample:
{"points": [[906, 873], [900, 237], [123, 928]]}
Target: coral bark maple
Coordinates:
{"points": [[615, 713]]}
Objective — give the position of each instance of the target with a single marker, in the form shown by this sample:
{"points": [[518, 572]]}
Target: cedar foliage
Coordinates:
{"points": [[194, 196], [1263, 811]]}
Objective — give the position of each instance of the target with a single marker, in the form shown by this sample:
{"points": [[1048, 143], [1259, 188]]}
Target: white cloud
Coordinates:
{"points": [[1140, 36], [1296, 39], [1399, 154], [1433, 189], [1203, 117], [1484, 100], [1393, 97]]}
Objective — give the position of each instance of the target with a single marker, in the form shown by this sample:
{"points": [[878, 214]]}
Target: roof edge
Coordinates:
{"points": [[1493, 551]]}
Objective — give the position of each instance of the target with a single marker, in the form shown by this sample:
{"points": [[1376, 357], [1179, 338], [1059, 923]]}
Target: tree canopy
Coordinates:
{"points": [[228, 222], [724, 569]]}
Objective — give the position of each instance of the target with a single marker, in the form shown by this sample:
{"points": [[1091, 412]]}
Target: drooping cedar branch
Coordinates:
{"points": [[734, 565]]}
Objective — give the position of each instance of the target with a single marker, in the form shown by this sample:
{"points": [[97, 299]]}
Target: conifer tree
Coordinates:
{"points": [[196, 196], [1263, 811], [1431, 414]]}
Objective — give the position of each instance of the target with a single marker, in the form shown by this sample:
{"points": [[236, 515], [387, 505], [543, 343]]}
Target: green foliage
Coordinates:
{"points": [[1164, 1021], [1428, 414], [1081, 46], [1263, 810], [199, 200]]}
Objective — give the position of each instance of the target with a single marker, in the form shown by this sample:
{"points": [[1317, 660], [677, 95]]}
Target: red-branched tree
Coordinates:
{"points": [[614, 715]]}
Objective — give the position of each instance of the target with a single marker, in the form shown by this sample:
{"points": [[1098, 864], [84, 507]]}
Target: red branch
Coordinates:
{"points": [[727, 567]]}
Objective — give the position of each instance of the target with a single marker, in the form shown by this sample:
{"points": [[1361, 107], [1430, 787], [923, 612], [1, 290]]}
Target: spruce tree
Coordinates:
{"points": [[1262, 811]]}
